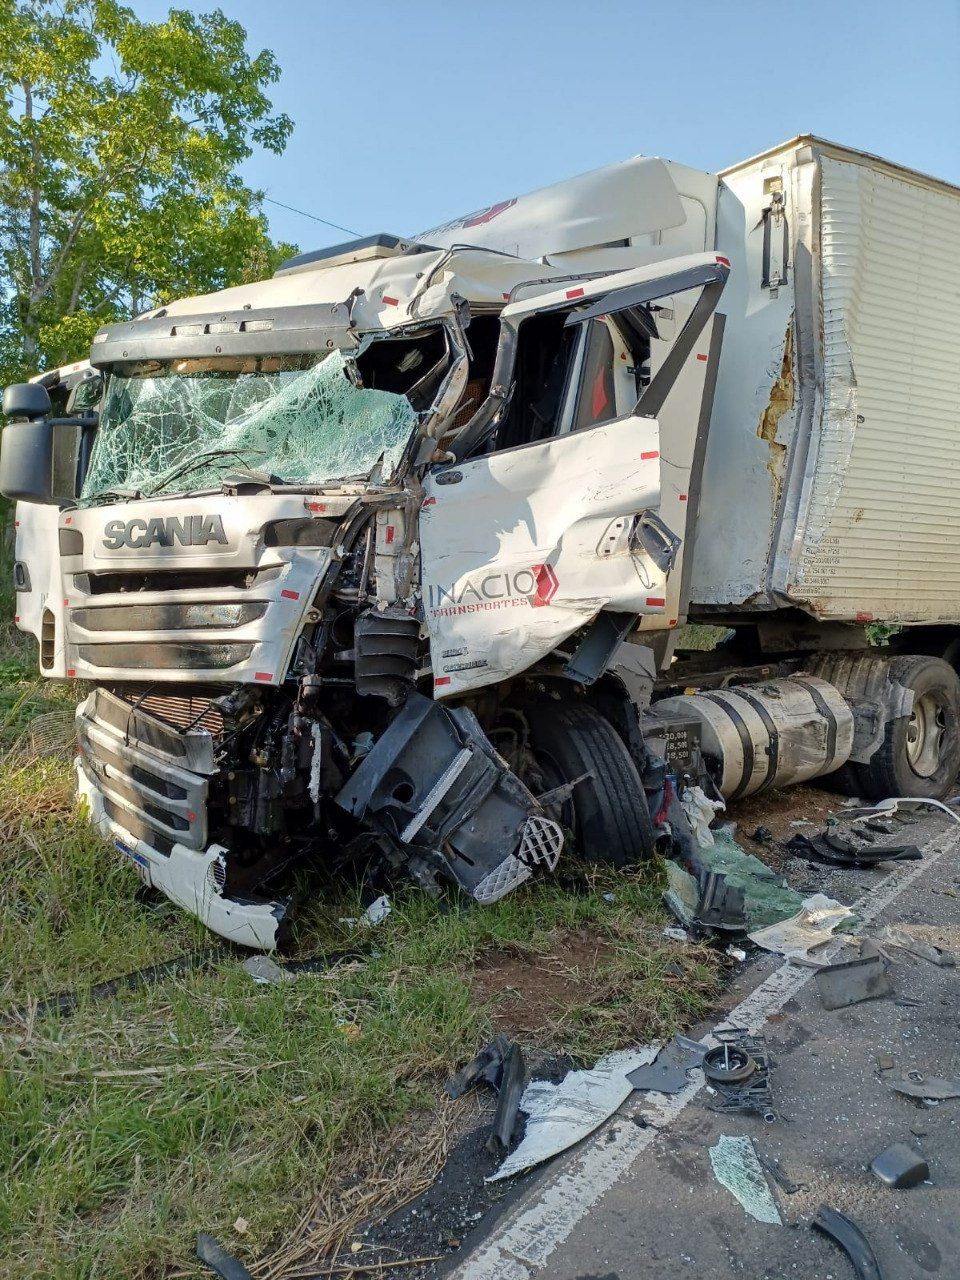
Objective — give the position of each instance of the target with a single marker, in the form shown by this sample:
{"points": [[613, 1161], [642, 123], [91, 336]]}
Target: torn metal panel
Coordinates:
{"points": [[781, 400]]}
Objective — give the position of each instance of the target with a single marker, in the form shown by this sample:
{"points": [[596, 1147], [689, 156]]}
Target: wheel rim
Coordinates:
{"points": [[926, 730]]}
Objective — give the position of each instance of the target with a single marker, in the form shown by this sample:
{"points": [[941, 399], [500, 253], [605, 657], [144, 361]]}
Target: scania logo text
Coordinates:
{"points": [[188, 531]]}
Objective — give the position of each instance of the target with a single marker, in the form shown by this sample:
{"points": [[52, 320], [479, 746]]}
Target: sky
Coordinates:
{"points": [[411, 112]]}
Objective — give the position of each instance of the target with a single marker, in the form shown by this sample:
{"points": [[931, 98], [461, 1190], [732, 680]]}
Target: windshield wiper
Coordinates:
{"points": [[192, 464]]}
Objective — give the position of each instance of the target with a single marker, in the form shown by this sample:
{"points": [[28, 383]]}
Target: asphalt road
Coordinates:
{"points": [[639, 1200]]}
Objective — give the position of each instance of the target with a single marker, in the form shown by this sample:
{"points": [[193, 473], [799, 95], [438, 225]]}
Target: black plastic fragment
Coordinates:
{"points": [[840, 851], [487, 1067], [900, 1166], [721, 905], [512, 1083], [218, 1260], [845, 1232], [66, 1002], [780, 1177]]}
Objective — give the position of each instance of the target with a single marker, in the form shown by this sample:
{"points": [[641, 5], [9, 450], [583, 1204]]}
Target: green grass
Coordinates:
{"points": [[133, 1123]]}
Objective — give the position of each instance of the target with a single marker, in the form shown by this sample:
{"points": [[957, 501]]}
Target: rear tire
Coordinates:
{"points": [[920, 753], [611, 820]]}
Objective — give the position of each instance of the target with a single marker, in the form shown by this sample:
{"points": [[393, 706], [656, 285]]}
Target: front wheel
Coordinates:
{"points": [[608, 810]]}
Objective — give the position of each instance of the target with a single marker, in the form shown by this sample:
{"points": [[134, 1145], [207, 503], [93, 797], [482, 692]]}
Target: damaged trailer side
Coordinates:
{"points": [[291, 528]]}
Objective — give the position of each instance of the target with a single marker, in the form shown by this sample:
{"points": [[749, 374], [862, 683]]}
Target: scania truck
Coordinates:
{"points": [[386, 558]]}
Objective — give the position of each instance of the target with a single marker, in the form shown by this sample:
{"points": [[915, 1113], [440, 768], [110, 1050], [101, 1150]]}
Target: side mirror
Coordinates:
{"points": [[28, 400], [38, 454]]}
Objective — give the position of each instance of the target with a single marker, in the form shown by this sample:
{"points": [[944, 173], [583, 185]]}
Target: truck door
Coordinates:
{"points": [[553, 518]]}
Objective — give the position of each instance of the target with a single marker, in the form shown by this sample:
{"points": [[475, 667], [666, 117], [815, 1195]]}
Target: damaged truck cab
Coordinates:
{"points": [[336, 551], [384, 559]]}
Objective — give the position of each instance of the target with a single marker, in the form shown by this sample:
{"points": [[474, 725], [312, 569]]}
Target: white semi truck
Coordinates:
{"points": [[385, 557]]}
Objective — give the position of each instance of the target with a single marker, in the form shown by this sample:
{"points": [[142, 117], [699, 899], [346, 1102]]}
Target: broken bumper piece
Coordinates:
{"points": [[192, 878], [436, 788]]}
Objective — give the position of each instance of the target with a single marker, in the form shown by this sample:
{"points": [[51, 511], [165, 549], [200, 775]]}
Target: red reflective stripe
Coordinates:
{"points": [[651, 453], [683, 497], [598, 397], [574, 293], [701, 356], [390, 302], [71, 672], [290, 595], [316, 506], [439, 680], [191, 816], [428, 502], [68, 520], [656, 602], [263, 675], [390, 533], [725, 261], [863, 616]]}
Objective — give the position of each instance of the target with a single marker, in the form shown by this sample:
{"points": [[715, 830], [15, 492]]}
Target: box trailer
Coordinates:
{"points": [[388, 556]]}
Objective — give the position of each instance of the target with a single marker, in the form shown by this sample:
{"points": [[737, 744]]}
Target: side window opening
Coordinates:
{"points": [[544, 351]]}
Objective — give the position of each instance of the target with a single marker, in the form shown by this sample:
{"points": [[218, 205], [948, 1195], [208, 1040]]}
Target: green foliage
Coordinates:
{"points": [[119, 147]]}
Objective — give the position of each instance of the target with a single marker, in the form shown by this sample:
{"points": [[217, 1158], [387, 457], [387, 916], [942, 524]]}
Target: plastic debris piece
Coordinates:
{"points": [[780, 1176], [736, 1167], [510, 1091], [845, 1232], [840, 985], [668, 1073], [700, 811], [266, 972], [486, 1067], [908, 938], [842, 851], [676, 934], [559, 1115], [218, 1260], [811, 927], [900, 1166], [915, 1085], [378, 910]]}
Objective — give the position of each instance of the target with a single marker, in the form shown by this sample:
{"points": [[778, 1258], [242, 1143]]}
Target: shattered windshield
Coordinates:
{"points": [[185, 425]]}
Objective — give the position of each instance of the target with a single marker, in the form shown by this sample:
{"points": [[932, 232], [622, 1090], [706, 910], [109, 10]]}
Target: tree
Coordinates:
{"points": [[120, 142]]}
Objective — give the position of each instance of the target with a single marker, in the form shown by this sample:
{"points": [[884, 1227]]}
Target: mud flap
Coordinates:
{"points": [[434, 785]]}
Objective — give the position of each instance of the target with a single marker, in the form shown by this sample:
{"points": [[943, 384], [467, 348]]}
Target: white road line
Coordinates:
{"points": [[532, 1231]]}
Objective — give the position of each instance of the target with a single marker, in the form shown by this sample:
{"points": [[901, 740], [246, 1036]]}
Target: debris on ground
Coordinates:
{"points": [[930, 1088], [852, 982], [486, 1068], [762, 835], [510, 1088], [908, 938], [737, 1072], [668, 1072], [559, 1115], [845, 851], [766, 896], [811, 927], [378, 910], [218, 1260], [845, 1232], [779, 1175], [265, 971], [736, 1167], [900, 1165]]}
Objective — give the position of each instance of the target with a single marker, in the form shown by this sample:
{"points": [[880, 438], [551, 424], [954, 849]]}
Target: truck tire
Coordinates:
{"points": [[611, 820], [920, 753]]}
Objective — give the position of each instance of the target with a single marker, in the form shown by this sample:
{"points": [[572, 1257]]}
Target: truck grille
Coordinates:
{"points": [[189, 710], [149, 762]]}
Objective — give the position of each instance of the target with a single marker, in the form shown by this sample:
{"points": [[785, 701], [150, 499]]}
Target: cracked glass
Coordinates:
{"points": [[183, 426]]}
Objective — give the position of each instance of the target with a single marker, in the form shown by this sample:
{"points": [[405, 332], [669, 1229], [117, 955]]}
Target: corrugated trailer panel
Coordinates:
{"points": [[878, 531]]}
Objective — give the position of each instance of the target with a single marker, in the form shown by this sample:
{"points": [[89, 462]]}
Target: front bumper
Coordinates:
{"points": [[145, 784], [190, 879]]}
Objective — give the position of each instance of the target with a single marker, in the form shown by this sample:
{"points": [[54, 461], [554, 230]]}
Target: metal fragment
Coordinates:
{"points": [[840, 985]]}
